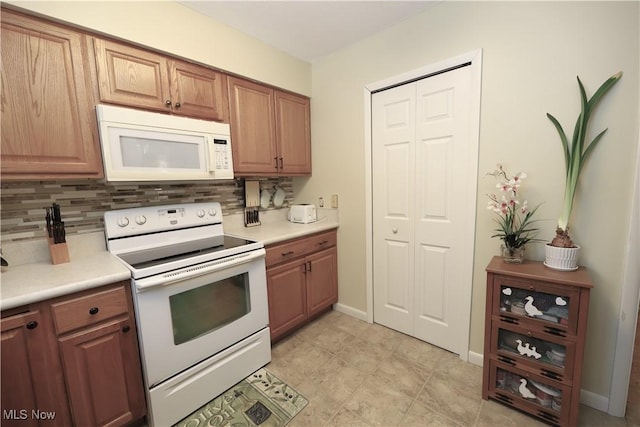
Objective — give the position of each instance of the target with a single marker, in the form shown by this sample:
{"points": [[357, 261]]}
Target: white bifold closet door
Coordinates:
{"points": [[424, 194]]}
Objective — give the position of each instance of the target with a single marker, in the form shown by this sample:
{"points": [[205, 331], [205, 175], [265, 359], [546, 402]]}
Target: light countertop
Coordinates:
{"points": [[90, 266], [31, 277], [275, 227]]}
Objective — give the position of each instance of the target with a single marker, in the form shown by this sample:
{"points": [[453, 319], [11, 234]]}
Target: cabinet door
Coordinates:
{"points": [[103, 373], [198, 92], [541, 353], [287, 297], [252, 128], [132, 77], [32, 383], [48, 126], [530, 393], [322, 280], [553, 308], [293, 133]]}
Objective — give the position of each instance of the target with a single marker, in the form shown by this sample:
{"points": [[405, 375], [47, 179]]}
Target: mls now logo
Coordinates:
{"points": [[24, 414]]}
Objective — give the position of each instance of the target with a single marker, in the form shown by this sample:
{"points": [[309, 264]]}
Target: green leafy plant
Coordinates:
{"points": [[576, 154], [514, 218]]}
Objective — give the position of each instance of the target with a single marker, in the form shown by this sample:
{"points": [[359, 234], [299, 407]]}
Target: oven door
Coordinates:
{"points": [[187, 315]]}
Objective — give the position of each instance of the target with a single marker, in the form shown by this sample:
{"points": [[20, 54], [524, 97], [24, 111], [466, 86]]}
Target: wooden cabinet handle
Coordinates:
{"points": [[309, 265], [276, 159], [126, 328], [287, 253], [178, 105], [94, 310], [281, 163], [324, 242], [32, 325], [167, 103]]}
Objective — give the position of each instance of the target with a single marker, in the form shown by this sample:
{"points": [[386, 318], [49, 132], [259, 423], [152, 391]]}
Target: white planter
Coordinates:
{"points": [[564, 259]]}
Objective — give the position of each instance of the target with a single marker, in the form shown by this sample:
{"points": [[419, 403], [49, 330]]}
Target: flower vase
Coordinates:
{"points": [[512, 255]]}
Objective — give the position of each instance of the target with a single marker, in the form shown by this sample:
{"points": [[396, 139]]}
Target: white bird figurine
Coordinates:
{"points": [[524, 391], [534, 353], [530, 308], [521, 349]]}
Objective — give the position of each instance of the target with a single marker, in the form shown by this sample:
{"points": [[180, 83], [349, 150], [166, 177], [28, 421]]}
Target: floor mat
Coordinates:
{"points": [[261, 399]]}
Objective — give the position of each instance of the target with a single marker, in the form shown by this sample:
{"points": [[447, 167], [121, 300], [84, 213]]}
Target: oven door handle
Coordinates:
{"points": [[186, 273]]}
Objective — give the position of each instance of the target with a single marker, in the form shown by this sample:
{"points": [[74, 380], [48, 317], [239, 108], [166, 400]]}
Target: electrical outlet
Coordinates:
{"points": [[321, 202], [334, 201]]}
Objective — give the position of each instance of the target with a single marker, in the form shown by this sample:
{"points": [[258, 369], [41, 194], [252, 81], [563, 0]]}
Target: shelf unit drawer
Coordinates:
{"points": [[540, 353], [537, 305], [89, 309], [532, 393]]}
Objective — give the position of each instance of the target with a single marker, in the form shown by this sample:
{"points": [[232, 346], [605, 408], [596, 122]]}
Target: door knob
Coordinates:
{"points": [[395, 230]]}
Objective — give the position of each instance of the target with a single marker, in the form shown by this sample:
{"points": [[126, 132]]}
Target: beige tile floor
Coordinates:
{"points": [[360, 374]]}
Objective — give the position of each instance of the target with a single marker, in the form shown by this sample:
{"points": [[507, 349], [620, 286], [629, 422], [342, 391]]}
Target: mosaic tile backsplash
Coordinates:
{"points": [[83, 203]]}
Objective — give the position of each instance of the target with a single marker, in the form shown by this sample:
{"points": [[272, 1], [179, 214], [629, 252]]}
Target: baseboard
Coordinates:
{"points": [[353, 312], [476, 358], [595, 401]]}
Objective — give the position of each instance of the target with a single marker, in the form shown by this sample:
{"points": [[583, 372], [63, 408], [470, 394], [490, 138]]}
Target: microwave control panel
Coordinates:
{"points": [[221, 158]]}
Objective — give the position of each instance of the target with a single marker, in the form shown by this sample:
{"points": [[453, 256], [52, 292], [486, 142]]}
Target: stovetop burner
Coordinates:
{"points": [[182, 251]]}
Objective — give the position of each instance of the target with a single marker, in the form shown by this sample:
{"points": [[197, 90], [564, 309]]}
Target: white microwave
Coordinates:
{"points": [[144, 146]]}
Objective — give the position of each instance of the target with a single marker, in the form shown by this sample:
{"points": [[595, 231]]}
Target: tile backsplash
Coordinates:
{"points": [[83, 203]]}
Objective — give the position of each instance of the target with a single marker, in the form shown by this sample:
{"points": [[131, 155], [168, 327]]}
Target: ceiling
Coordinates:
{"points": [[309, 30]]}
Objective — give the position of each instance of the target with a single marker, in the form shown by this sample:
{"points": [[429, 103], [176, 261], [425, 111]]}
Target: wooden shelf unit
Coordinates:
{"points": [[535, 329]]}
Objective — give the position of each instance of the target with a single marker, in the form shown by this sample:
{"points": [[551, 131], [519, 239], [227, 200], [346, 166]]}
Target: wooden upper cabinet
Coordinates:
{"points": [[131, 76], [48, 122], [252, 128], [198, 91], [270, 130], [293, 133], [144, 79]]}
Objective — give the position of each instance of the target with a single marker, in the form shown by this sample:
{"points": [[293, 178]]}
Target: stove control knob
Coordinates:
{"points": [[200, 213], [123, 221], [212, 212], [141, 220]]}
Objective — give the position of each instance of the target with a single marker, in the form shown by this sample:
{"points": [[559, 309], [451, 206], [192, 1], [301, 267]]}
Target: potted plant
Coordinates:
{"points": [[562, 253], [514, 218]]}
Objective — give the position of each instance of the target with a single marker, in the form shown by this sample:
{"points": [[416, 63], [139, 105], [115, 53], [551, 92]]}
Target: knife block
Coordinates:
{"points": [[59, 252]]}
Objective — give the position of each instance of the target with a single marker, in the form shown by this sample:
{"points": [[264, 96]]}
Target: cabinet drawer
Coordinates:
{"points": [[89, 309], [537, 305], [300, 247], [542, 354], [533, 394]]}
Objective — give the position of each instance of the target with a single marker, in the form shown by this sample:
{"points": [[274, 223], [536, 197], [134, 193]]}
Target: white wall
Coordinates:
{"points": [[532, 53], [176, 29]]}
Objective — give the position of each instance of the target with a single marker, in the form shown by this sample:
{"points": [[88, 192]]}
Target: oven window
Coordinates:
{"points": [[209, 307]]}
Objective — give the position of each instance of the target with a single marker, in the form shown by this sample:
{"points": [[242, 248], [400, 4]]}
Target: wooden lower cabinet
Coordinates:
{"points": [[32, 381], [102, 371], [287, 297], [535, 330], [302, 281], [75, 356], [322, 283]]}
